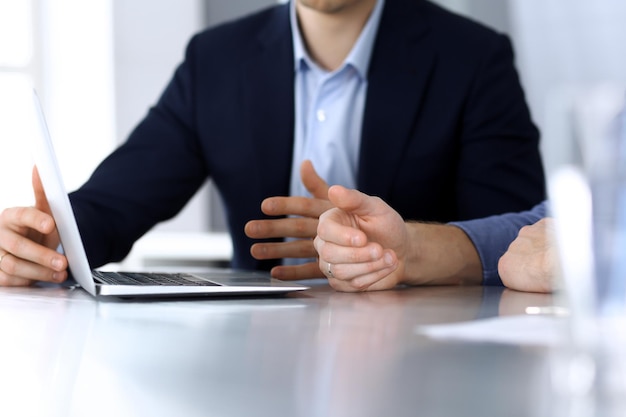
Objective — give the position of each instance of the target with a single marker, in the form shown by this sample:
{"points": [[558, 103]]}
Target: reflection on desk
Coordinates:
{"points": [[316, 353]]}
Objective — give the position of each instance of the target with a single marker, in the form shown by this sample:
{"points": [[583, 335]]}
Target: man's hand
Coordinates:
{"points": [[303, 227], [531, 262], [28, 239], [362, 243], [365, 245]]}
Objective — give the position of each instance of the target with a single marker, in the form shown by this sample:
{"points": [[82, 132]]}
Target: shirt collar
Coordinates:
{"points": [[361, 52]]}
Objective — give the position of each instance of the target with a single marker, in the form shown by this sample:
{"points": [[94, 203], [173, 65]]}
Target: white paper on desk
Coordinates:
{"points": [[518, 330]]}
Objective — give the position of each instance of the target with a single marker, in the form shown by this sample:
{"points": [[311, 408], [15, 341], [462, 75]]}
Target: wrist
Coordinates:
{"points": [[440, 254]]}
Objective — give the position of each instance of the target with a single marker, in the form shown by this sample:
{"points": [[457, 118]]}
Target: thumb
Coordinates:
{"points": [[41, 202], [355, 202], [313, 182]]}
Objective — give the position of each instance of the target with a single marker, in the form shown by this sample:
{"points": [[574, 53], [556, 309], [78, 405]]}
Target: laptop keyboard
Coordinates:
{"points": [[150, 278]]}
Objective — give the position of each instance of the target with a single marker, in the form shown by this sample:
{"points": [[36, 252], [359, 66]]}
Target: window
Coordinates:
{"points": [[17, 67], [16, 37], [64, 49]]}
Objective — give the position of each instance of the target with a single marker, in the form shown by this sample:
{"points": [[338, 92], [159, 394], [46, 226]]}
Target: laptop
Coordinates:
{"points": [[213, 282]]}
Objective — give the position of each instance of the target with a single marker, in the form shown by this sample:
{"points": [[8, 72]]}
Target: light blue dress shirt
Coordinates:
{"points": [[329, 108]]}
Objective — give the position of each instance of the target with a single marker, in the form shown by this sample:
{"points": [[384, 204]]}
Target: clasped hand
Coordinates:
{"points": [[362, 242]]}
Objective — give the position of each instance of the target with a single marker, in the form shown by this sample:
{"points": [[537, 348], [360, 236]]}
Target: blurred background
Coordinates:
{"points": [[99, 65]]}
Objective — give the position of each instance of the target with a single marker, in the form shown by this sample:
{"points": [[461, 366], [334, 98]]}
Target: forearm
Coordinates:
{"points": [[440, 255]]}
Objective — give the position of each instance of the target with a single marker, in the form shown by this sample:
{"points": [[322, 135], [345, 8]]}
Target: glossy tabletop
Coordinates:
{"points": [[309, 354]]}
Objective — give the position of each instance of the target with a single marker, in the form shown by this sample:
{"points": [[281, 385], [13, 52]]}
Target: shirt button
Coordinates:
{"points": [[321, 115]]}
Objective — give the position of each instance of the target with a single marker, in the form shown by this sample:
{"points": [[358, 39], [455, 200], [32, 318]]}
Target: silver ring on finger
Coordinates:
{"points": [[329, 270]]}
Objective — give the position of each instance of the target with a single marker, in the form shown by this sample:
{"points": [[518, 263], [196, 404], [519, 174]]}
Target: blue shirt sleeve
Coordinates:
{"points": [[492, 236]]}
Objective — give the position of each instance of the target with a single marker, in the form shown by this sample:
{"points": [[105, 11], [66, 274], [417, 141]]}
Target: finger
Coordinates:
{"points": [[387, 282], [41, 202], [9, 281], [295, 206], [16, 271], [376, 281], [333, 227], [312, 181], [279, 250], [355, 202], [371, 282], [308, 270], [340, 254], [298, 227], [350, 286], [18, 220], [351, 271]]}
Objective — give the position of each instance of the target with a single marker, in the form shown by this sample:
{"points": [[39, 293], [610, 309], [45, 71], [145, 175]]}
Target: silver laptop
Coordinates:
{"points": [[218, 281]]}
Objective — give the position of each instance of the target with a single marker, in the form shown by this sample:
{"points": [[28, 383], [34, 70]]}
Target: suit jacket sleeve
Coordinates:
{"points": [[227, 115], [500, 168], [148, 179], [447, 134]]}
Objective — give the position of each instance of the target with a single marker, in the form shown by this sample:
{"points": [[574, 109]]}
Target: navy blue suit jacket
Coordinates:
{"points": [[447, 134]]}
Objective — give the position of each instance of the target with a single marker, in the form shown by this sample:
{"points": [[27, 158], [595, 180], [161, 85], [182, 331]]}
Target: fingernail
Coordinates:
{"points": [[57, 263], [388, 259]]}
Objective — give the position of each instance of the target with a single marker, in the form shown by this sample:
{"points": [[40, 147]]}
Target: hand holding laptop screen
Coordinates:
{"points": [[28, 235], [29, 238]]}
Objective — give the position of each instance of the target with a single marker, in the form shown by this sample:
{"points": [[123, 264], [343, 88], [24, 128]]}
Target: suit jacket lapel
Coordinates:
{"points": [[399, 71], [269, 104]]}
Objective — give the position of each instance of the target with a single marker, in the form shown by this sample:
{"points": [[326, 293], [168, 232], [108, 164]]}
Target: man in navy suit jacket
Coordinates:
{"points": [[446, 135]]}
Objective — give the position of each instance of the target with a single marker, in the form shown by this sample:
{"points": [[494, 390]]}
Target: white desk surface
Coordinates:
{"points": [[313, 354]]}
